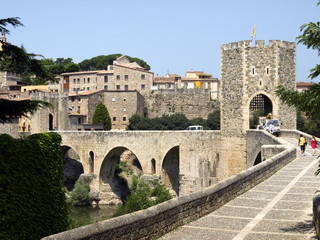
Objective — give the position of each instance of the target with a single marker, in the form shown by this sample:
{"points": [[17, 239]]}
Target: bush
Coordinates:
{"points": [[80, 196], [143, 195], [254, 120], [101, 115], [32, 200]]}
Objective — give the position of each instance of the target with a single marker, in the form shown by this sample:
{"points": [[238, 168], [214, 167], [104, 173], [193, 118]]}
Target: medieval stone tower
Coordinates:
{"points": [[249, 75]]}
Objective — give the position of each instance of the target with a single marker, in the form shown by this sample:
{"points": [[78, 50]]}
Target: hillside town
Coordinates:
{"points": [[125, 88]]}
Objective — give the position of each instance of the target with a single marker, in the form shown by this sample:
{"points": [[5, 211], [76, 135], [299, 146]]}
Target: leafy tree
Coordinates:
{"points": [[254, 120], [308, 101], [103, 61], [213, 120], [101, 115], [143, 195], [17, 59], [80, 195], [72, 67]]}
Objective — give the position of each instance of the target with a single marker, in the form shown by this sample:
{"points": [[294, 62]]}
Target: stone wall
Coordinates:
{"points": [[39, 122], [158, 220], [256, 139], [191, 102], [316, 212]]}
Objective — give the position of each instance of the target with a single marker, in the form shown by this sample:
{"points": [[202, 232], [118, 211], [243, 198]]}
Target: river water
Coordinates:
{"points": [[81, 216]]}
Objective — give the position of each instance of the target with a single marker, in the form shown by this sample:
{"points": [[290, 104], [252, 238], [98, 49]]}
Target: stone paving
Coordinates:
{"points": [[278, 208]]}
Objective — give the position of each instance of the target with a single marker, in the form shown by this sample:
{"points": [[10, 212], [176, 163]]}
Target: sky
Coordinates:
{"points": [[172, 36]]}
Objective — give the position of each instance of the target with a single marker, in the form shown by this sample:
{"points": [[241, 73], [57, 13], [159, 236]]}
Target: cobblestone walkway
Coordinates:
{"points": [[278, 208]]}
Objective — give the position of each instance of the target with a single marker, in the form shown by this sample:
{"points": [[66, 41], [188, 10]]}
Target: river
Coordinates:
{"points": [[81, 216]]}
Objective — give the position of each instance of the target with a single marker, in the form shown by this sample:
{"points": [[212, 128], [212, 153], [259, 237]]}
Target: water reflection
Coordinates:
{"points": [[81, 216]]}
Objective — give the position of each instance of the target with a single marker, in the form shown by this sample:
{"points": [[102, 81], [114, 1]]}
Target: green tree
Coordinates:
{"points": [[18, 60], [213, 120], [80, 195], [254, 120], [308, 101], [103, 61], [101, 115], [143, 195]]}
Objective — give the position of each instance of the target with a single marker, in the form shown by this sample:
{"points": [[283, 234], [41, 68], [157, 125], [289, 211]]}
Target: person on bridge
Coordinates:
{"points": [[302, 144], [313, 145]]}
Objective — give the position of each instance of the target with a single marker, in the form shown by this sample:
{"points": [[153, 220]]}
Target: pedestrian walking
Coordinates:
{"points": [[302, 144], [313, 145]]}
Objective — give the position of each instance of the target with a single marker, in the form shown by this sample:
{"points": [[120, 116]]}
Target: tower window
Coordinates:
{"points": [[252, 71]]}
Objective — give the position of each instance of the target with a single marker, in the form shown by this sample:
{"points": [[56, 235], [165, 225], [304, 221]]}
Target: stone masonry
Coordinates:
{"points": [[247, 71], [193, 103]]}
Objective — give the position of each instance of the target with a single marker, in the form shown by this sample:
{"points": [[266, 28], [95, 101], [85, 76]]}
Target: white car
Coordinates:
{"points": [[272, 126], [195, 127]]}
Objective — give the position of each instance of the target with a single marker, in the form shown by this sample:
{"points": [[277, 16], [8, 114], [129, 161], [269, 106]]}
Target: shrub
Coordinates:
{"points": [[32, 200], [80, 196], [101, 115], [143, 195]]}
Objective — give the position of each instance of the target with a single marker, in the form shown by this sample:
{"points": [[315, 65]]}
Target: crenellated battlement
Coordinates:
{"points": [[258, 44]]}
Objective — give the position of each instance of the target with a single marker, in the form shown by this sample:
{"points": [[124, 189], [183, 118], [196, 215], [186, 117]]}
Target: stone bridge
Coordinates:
{"points": [[186, 161]]}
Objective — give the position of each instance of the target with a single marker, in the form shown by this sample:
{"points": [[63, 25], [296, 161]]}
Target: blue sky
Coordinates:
{"points": [[172, 36]]}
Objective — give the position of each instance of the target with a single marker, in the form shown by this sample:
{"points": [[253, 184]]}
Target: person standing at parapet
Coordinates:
{"points": [[313, 145], [302, 144]]}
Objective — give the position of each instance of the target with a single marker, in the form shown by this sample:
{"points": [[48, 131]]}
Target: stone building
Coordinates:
{"points": [[192, 80], [170, 81], [121, 76], [303, 86], [121, 105], [9, 81], [200, 79], [249, 75]]}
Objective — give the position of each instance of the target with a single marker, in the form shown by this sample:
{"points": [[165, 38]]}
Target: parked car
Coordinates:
{"points": [[195, 127], [272, 126]]}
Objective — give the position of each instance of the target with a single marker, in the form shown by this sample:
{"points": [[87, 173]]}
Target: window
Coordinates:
{"points": [[78, 80], [74, 89], [74, 80], [252, 71], [267, 71], [88, 88], [124, 99], [105, 87], [114, 119], [78, 110], [124, 119], [99, 97], [118, 77], [88, 80], [84, 80], [72, 108], [79, 120], [105, 79], [113, 99], [126, 77], [143, 86], [118, 87], [143, 76], [126, 87]]}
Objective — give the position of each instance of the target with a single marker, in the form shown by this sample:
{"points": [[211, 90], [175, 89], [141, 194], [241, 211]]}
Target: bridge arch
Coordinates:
{"points": [[170, 170], [110, 182], [72, 166]]}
